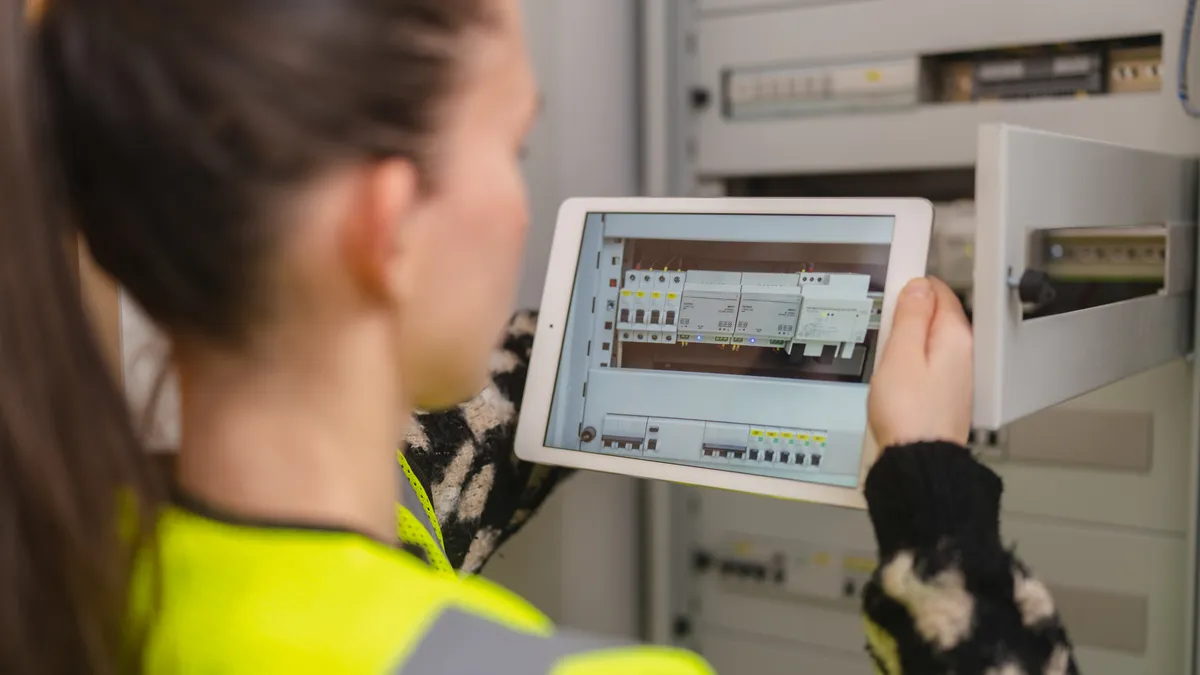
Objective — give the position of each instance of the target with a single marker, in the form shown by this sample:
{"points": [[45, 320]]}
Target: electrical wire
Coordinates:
{"points": [[1185, 49]]}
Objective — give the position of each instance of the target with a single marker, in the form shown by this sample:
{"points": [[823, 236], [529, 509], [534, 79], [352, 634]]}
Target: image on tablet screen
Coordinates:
{"points": [[739, 342]]}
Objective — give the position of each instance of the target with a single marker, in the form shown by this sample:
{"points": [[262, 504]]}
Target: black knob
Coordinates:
{"points": [[1035, 288], [700, 98], [701, 561], [587, 435], [682, 627]]}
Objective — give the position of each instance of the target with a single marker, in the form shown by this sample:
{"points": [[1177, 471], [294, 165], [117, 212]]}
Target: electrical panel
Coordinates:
{"points": [[821, 89], [742, 343], [826, 87], [999, 77], [802, 571]]}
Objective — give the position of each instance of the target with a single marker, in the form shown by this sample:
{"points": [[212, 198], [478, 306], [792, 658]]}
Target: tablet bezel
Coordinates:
{"points": [[907, 260]]}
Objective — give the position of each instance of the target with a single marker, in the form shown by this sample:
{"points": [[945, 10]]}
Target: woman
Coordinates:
{"points": [[320, 203]]}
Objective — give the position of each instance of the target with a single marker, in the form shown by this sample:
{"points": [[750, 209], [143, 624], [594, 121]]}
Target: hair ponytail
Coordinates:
{"points": [[67, 447]]}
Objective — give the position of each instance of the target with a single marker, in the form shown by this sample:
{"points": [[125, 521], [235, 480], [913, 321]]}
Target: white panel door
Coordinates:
{"points": [[1029, 181]]}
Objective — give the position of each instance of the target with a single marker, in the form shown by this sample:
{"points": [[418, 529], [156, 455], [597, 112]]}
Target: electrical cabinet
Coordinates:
{"points": [[731, 37], [1065, 169]]}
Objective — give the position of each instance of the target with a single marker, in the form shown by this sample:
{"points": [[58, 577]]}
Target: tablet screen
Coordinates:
{"points": [[739, 342]]}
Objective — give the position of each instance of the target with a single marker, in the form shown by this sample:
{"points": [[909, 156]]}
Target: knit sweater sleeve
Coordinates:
{"points": [[464, 458], [948, 597]]}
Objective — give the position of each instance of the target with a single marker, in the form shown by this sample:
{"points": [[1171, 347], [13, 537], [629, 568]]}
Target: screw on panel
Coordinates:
{"points": [[987, 444], [682, 627]]}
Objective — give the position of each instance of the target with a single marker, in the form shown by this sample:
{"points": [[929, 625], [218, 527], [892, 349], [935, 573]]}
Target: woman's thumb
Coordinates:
{"points": [[910, 325]]}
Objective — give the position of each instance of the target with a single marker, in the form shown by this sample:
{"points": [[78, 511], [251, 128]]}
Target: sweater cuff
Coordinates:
{"points": [[933, 495]]}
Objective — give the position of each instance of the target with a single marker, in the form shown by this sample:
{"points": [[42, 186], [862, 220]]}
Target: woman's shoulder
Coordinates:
{"points": [[237, 598]]}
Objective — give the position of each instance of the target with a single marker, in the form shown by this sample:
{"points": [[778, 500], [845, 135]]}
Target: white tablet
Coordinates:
{"points": [[719, 342]]}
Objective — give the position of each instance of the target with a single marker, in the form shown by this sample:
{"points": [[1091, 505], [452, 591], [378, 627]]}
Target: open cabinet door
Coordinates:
{"points": [[1030, 185]]}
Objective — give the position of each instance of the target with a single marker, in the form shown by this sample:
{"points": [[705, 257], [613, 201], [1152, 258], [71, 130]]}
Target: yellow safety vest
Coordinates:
{"points": [[237, 597]]}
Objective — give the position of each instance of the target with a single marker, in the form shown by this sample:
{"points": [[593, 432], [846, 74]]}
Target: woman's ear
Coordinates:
{"points": [[375, 241]]}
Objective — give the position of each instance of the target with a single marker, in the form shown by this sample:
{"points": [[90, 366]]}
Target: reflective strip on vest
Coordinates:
{"points": [[414, 499], [411, 502], [464, 644], [415, 527]]}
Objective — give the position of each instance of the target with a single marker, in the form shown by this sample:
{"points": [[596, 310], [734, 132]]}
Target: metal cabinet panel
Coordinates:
{"points": [[1029, 181]]}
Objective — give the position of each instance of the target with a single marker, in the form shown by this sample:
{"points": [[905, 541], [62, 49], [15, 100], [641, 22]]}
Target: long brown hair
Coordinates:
{"points": [[163, 130]]}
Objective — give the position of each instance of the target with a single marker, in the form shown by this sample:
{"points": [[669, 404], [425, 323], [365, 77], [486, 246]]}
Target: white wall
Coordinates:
{"points": [[579, 560], [585, 144]]}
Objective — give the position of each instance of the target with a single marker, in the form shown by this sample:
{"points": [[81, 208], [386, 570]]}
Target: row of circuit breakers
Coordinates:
{"points": [[747, 309], [718, 441]]}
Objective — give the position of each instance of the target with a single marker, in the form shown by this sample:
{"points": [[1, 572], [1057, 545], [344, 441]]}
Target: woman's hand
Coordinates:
{"points": [[922, 386]]}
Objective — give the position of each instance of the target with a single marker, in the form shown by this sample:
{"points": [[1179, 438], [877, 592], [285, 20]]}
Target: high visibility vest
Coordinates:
{"points": [[239, 597]]}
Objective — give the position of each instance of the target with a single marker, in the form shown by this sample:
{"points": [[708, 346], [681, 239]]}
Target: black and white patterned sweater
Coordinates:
{"points": [[482, 494], [948, 597]]}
